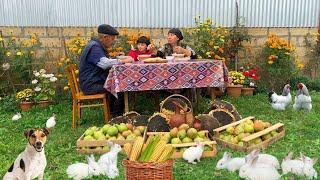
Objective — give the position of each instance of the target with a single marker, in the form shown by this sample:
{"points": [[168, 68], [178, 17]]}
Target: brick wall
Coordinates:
{"points": [[52, 38]]}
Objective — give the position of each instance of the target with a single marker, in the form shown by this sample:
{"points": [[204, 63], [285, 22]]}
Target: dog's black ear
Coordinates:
{"points": [[46, 131], [27, 133]]}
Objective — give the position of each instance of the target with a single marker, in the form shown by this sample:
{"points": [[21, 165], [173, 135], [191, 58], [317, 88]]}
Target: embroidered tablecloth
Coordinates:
{"points": [[157, 76]]}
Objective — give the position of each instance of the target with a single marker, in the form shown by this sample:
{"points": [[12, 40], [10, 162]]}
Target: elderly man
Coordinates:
{"points": [[95, 65]]}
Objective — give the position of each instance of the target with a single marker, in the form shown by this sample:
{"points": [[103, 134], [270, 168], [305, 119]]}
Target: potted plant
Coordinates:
{"points": [[44, 87], [251, 76], [25, 97], [236, 83]]}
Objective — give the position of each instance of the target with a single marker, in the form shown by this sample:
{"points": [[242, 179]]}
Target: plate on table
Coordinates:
{"points": [[178, 55], [144, 56], [155, 60], [182, 59]]}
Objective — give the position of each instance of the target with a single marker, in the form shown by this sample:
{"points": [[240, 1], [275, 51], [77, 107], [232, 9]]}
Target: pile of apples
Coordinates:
{"points": [[114, 132], [235, 134]]}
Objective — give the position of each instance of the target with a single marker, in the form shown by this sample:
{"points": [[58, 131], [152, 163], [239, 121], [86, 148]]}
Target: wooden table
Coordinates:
{"points": [[162, 76]]}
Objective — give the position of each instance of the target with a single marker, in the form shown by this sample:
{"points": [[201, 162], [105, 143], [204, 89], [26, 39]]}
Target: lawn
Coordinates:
{"points": [[302, 135]]}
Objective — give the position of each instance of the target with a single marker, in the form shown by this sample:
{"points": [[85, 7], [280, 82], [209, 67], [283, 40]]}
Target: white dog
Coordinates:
{"points": [[32, 161]]}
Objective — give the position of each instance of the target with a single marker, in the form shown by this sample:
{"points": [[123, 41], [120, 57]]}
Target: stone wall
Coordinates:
{"points": [[52, 38]]}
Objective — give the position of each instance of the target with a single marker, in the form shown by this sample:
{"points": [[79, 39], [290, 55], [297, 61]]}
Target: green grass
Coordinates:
{"points": [[302, 135]]}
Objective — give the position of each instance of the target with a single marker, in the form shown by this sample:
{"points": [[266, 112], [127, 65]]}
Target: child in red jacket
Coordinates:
{"points": [[144, 48]]}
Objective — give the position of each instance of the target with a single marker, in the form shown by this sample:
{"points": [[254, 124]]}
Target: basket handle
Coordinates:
{"points": [[178, 95]]}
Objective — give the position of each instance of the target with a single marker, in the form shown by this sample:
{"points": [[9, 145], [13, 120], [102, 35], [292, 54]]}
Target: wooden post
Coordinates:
{"points": [[126, 102]]}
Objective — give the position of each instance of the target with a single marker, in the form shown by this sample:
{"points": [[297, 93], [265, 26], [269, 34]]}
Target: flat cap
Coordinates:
{"points": [[107, 29]]}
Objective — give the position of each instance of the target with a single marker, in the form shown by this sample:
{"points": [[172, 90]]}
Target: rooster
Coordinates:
{"points": [[302, 99], [280, 102]]}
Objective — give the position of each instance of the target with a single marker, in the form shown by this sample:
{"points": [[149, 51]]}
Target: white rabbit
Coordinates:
{"points": [[265, 158], [193, 153], [250, 170], [109, 158], [308, 169], [294, 166], [232, 164], [113, 171], [80, 171]]}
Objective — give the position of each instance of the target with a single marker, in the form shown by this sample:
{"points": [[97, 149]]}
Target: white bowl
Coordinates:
{"points": [[169, 58]]}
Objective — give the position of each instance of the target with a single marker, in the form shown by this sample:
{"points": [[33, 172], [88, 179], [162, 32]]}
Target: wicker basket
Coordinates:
{"points": [[157, 170], [223, 116], [184, 102]]}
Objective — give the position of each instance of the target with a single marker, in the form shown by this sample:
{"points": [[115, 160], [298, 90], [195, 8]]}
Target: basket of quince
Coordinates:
{"points": [[248, 134]]}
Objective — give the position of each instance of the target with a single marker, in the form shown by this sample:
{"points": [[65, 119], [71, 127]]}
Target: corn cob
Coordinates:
{"points": [[166, 154], [136, 149], [127, 148], [158, 151], [147, 142], [150, 149]]}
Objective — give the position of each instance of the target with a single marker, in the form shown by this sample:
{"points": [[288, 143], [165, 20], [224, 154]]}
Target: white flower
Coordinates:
{"points": [[44, 75], [6, 66], [53, 79], [34, 81], [37, 89], [251, 84], [50, 75], [42, 71]]}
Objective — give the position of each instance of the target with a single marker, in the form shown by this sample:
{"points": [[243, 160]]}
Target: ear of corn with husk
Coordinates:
{"points": [[154, 150]]}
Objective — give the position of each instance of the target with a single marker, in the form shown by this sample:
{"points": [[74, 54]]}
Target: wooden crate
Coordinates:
{"points": [[82, 145], [246, 148], [176, 155]]}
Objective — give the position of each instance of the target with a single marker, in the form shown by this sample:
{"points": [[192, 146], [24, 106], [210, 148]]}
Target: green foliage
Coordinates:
{"points": [[207, 39], [312, 43], [311, 84], [16, 58], [44, 85], [237, 35], [278, 63], [8, 103]]}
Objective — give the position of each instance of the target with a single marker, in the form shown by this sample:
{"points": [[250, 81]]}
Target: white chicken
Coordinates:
{"points": [[302, 99], [16, 117], [51, 122], [280, 102]]}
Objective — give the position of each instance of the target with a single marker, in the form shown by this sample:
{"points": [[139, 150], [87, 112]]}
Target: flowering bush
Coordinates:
{"points": [[237, 35], [44, 85], [207, 39], [16, 58], [74, 48], [237, 78], [279, 62], [251, 76], [25, 95]]}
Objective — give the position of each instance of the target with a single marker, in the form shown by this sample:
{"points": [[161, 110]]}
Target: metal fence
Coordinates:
{"points": [[158, 13]]}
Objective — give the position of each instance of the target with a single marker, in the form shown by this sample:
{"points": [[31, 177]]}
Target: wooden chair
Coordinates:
{"points": [[78, 98]]}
